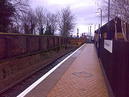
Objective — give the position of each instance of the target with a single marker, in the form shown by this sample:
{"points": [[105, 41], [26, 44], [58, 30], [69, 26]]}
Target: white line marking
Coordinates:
{"points": [[31, 87]]}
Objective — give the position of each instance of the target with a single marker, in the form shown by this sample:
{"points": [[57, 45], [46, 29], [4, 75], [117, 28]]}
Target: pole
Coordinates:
{"points": [[108, 16], [90, 30], [108, 10], [101, 16]]}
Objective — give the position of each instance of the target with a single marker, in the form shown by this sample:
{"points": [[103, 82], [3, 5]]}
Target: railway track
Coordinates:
{"points": [[18, 88]]}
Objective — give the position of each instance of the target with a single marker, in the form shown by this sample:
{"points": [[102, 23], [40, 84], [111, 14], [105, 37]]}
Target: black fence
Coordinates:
{"points": [[116, 66]]}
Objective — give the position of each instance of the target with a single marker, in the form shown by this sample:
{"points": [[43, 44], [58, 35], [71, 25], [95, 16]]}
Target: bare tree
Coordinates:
{"points": [[29, 22], [52, 22], [66, 22], [21, 8], [48, 30], [118, 8], [41, 19], [6, 12]]}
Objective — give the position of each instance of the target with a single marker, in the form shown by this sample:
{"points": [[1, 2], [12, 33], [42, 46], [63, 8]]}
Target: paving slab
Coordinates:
{"points": [[79, 76], [84, 77]]}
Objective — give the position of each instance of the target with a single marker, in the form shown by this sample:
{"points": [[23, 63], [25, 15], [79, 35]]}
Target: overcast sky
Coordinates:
{"points": [[84, 11]]}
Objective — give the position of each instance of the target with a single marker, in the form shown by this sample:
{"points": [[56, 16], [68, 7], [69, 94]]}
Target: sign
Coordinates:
{"points": [[108, 45]]}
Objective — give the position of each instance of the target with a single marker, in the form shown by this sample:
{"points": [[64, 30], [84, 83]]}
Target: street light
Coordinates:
{"points": [[108, 10], [108, 15], [100, 16]]}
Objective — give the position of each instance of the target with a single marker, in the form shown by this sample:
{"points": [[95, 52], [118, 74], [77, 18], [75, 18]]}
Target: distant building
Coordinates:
{"points": [[77, 33]]}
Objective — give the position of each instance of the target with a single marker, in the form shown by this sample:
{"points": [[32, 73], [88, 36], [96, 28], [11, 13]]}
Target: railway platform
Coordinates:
{"points": [[79, 75]]}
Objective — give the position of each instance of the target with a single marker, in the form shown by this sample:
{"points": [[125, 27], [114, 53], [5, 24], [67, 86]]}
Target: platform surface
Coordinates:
{"points": [[79, 76]]}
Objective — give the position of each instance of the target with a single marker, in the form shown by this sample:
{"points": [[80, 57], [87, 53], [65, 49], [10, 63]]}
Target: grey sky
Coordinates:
{"points": [[84, 10]]}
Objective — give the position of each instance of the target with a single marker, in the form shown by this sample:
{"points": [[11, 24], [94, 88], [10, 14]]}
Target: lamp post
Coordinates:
{"points": [[108, 10], [101, 14], [108, 15]]}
